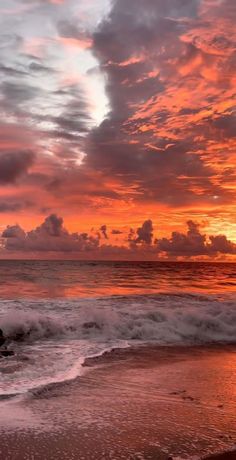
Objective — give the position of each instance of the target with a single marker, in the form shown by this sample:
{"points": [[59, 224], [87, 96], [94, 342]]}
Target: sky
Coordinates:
{"points": [[117, 129]]}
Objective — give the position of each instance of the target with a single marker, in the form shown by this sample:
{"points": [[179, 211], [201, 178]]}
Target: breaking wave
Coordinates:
{"points": [[51, 339], [165, 320], [30, 326]]}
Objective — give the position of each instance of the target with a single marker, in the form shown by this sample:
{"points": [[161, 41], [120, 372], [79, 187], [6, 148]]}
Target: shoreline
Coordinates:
{"points": [[116, 354], [141, 403]]}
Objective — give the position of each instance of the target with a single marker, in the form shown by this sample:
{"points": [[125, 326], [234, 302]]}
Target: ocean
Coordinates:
{"points": [[56, 314]]}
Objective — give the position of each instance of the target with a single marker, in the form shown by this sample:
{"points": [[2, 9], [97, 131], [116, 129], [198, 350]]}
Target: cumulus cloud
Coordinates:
{"points": [[194, 243], [14, 232], [191, 243], [50, 236], [145, 233], [220, 244]]}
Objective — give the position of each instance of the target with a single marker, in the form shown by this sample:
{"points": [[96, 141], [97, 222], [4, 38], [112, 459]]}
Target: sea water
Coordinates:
{"points": [[55, 314]]}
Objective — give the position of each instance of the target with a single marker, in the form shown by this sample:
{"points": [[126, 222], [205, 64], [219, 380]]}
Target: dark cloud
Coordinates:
{"points": [[194, 243], [40, 68], [18, 96], [145, 233], [220, 244], [70, 124], [191, 243], [145, 140], [11, 40], [52, 226], [50, 236], [12, 72], [9, 207], [18, 93], [103, 229], [168, 68], [226, 124], [14, 164], [13, 206], [15, 234], [116, 232], [69, 29]]}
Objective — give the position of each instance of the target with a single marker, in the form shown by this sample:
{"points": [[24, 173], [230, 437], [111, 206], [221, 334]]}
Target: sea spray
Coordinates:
{"points": [[51, 339], [164, 319]]}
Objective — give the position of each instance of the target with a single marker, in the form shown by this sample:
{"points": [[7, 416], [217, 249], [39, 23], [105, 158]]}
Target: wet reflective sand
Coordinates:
{"points": [[145, 404]]}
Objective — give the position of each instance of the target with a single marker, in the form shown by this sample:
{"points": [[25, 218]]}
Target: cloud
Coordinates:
{"points": [[191, 243], [116, 232], [50, 236], [167, 141], [10, 71], [9, 205], [145, 233], [69, 31], [53, 2], [158, 58], [103, 229], [14, 164], [14, 233], [40, 68], [194, 243], [18, 93], [220, 244]]}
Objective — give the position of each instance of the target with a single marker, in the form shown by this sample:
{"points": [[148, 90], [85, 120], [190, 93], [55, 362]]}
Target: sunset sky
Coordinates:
{"points": [[117, 129]]}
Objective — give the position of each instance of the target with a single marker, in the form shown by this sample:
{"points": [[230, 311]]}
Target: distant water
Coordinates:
{"points": [[57, 313], [60, 279]]}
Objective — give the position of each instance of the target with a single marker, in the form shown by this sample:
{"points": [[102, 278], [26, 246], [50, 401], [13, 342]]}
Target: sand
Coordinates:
{"points": [[143, 404]]}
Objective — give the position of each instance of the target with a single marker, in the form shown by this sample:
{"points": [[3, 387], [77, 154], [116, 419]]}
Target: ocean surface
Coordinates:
{"points": [[55, 314]]}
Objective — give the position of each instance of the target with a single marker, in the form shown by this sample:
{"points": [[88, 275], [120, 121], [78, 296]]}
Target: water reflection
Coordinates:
{"points": [[50, 279]]}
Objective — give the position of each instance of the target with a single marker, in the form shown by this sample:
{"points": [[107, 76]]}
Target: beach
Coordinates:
{"points": [[144, 403], [117, 230], [114, 361]]}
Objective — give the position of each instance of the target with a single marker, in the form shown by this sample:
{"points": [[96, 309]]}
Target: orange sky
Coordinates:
{"points": [[117, 114]]}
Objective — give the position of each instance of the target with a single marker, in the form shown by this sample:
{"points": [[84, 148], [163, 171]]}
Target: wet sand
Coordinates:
{"points": [[141, 404]]}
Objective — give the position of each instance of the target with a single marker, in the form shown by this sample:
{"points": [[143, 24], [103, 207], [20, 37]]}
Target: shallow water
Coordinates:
{"points": [[142, 405]]}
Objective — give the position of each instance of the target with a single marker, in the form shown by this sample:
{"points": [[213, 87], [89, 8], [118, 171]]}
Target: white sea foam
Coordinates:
{"points": [[51, 339], [30, 325], [166, 320]]}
